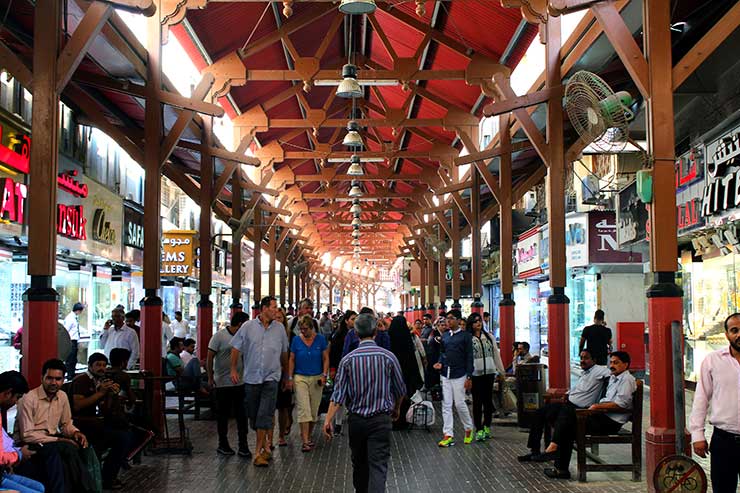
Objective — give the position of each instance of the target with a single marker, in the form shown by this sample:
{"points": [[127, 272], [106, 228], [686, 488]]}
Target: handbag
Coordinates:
{"points": [[508, 400]]}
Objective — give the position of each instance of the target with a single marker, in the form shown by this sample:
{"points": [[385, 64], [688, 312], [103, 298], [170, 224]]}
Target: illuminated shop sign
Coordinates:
{"points": [[690, 167], [71, 221], [13, 200], [722, 191], [178, 248], [16, 156]]}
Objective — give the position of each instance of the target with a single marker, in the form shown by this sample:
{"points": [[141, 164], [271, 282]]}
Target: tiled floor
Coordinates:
{"points": [[417, 464]]}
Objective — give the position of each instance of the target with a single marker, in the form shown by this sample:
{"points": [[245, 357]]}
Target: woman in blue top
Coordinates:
{"points": [[308, 369]]}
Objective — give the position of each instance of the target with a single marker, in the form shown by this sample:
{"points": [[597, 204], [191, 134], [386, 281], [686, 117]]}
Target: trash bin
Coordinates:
{"points": [[530, 392]]}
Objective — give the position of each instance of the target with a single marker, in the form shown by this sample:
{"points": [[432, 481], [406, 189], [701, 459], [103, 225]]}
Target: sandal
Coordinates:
{"points": [[311, 444], [306, 448], [282, 443]]}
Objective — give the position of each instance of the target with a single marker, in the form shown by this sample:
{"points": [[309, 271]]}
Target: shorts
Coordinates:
{"points": [[260, 400], [308, 397]]}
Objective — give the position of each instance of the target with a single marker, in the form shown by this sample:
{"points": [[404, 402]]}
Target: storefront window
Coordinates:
{"points": [[73, 287], [710, 296], [582, 292]]}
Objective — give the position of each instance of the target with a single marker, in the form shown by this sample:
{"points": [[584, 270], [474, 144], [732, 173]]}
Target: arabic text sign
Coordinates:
{"points": [[602, 244], [16, 154], [178, 249]]}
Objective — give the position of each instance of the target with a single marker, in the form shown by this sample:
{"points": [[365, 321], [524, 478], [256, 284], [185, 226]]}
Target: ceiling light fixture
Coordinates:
{"points": [[355, 209], [355, 192], [355, 169], [356, 234], [349, 87], [353, 138], [355, 242], [357, 7], [356, 222]]}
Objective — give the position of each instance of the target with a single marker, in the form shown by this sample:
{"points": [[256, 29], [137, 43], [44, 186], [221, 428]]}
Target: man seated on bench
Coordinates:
{"points": [[610, 414], [189, 375], [586, 392], [98, 412]]}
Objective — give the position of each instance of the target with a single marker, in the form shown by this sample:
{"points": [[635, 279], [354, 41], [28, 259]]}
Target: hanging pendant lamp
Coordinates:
{"points": [[355, 242], [356, 221], [355, 169], [353, 138], [349, 87], [355, 234], [355, 209], [357, 7], [355, 191]]}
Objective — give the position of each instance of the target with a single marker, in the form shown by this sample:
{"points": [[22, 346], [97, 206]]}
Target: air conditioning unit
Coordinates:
{"points": [[590, 190], [530, 204]]}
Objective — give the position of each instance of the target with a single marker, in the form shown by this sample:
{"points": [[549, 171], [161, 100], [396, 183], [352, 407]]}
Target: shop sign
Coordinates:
{"points": [[689, 167], [576, 240], [603, 247], [689, 215], [527, 255], [178, 248], [632, 216], [13, 200], [722, 191], [133, 228], [89, 216], [16, 156]]}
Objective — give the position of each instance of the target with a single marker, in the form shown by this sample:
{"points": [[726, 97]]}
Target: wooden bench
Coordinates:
{"points": [[633, 437]]}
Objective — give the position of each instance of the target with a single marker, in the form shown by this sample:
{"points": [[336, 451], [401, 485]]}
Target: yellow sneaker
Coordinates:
{"points": [[447, 441], [468, 437]]}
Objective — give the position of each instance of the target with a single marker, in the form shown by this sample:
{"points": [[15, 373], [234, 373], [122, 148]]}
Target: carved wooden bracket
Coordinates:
{"points": [[229, 71], [533, 11], [173, 12], [253, 120]]}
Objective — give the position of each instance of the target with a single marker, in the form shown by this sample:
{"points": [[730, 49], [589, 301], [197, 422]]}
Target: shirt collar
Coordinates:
{"points": [[41, 394], [368, 342], [453, 332]]}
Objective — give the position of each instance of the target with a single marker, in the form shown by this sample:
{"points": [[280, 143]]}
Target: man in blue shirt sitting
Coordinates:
{"points": [[456, 365]]}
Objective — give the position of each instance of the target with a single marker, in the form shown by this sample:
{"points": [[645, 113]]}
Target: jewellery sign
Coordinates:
{"points": [[722, 190], [178, 248], [89, 216], [527, 256]]}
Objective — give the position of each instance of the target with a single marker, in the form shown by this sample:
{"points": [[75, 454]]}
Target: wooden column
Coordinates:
{"points": [[283, 287], [236, 245], [151, 305], [456, 246], [291, 283], [271, 268], [422, 286], [257, 262], [506, 273], [441, 275], [41, 301], [205, 306], [557, 303], [664, 296], [475, 260]]}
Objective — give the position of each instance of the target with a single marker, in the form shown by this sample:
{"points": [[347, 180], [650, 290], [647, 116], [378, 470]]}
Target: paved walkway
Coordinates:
{"points": [[417, 465]]}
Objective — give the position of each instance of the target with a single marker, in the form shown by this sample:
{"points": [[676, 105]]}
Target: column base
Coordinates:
{"points": [[506, 310], [39, 340], [660, 443], [557, 342], [255, 310], [477, 306], [456, 305], [430, 309], [235, 308], [151, 350], [442, 310], [205, 326]]}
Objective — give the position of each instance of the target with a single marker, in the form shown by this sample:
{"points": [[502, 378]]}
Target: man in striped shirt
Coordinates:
{"points": [[370, 385]]}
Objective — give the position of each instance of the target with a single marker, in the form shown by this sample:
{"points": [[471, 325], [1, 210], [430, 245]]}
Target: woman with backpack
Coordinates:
{"points": [[486, 363]]}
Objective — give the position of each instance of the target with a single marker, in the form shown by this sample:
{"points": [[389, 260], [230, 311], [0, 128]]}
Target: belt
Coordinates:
{"points": [[382, 413], [727, 434]]}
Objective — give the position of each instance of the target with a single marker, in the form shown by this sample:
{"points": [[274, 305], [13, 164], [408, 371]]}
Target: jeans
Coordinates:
{"points": [[482, 400], [260, 402], [453, 391], [545, 415], [723, 452], [228, 400], [370, 442], [21, 484]]}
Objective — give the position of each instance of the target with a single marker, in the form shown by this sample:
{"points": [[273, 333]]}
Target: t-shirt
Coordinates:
{"points": [[220, 344], [308, 361], [85, 386], [173, 361], [261, 350], [597, 342]]}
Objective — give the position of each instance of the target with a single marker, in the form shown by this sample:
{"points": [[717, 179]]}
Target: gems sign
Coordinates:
{"points": [[178, 249]]}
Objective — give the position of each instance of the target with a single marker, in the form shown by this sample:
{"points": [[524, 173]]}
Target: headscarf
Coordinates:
{"points": [[402, 346]]}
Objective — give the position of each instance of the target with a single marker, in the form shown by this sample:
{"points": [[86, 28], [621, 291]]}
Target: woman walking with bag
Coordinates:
{"points": [[486, 363], [308, 369]]}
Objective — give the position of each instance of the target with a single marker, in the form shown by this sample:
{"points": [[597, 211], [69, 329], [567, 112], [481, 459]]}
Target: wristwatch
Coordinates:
{"points": [[289, 378]]}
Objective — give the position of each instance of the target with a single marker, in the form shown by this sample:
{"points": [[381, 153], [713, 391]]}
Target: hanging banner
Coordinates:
{"points": [[632, 216], [527, 259], [576, 240]]}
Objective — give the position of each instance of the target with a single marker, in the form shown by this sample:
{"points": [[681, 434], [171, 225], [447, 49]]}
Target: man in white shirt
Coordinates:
{"points": [[188, 351], [585, 393], [718, 387], [117, 334], [179, 327], [72, 324], [610, 414]]}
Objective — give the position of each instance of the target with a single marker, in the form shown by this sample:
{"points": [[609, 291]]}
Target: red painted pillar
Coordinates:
{"points": [[477, 306], [506, 327], [205, 326], [557, 341], [40, 315], [664, 306], [442, 309], [151, 347]]}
